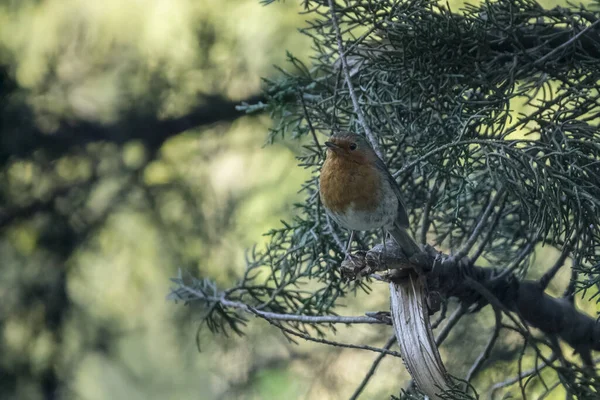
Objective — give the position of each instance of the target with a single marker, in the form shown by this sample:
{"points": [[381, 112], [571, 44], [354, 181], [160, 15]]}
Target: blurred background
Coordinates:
{"points": [[122, 160]]}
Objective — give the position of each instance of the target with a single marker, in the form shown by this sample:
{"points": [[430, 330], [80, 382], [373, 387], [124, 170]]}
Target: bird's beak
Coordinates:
{"points": [[332, 146]]}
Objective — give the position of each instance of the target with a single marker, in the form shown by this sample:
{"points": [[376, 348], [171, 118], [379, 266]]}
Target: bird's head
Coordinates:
{"points": [[351, 147]]}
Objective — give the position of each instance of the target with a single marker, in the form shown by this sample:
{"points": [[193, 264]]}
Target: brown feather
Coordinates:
{"points": [[345, 181]]}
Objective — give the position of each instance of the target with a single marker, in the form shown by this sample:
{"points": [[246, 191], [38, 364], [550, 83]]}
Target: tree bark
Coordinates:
{"points": [[410, 316]]}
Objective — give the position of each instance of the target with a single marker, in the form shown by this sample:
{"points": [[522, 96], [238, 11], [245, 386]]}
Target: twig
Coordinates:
{"points": [[565, 44], [509, 270], [454, 318], [357, 109], [493, 300], [371, 371], [330, 342], [426, 222], [485, 354], [549, 390], [491, 231], [308, 319], [496, 142], [522, 385], [524, 374], [569, 293], [566, 250], [441, 317], [480, 225], [310, 125]]}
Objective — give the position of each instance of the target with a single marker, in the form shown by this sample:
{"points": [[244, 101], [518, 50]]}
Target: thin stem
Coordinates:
{"points": [[565, 44], [309, 319], [566, 250], [330, 342], [497, 142], [452, 321], [351, 92], [491, 231], [515, 264], [373, 368], [570, 290], [485, 354], [441, 317], [509, 382], [549, 390], [480, 225], [493, 300], [426, 220], [310, 125]]}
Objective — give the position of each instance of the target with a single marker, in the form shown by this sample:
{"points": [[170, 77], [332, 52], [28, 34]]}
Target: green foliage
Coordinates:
{"points": [[439, 89], [489, 118]]}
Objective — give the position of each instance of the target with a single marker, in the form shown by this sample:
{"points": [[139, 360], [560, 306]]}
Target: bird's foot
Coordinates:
{"points": [[383, 316], [354, 265]]}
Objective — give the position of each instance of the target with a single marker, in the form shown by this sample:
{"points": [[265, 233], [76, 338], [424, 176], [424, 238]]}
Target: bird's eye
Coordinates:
{"points": [[352, 146]]}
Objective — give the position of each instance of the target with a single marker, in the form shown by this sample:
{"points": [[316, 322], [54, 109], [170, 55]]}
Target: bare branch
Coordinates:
{"points": [[425, 219], [373, 368], [485, 354], [146, 127], [308, 319], [441, 317], [515, 264], [352, 93], [481, 224], [566, 250], [490, 233], [452, 321], [509, 382], [413, 332], [310, 125], [330, 342], [566, 44], [493, 300], [570, 290]]}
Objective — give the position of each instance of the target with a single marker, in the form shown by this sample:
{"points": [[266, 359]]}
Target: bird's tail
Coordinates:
{"points": [[405, 241]]}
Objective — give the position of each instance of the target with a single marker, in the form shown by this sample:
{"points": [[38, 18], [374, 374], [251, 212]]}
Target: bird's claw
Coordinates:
{"points": [[354, 265], [383, 316]]}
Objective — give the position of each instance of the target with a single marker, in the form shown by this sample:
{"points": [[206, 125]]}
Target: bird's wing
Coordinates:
{"points": [[402, 218]]}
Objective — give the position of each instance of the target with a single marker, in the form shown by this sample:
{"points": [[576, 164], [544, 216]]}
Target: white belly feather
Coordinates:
{"points": [[360, 220]]}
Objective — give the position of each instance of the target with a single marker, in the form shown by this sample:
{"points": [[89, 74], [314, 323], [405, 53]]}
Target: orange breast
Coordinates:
{"points": [[344, 183]]}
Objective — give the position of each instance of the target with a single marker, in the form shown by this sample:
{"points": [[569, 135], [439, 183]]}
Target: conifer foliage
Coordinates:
{"points": [[488, 117]]}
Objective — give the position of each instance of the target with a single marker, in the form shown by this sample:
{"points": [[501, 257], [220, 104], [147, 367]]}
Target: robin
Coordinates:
{"points": [[359, 193]]}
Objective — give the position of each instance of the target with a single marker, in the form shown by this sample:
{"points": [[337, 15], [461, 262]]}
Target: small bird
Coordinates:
{"points": [[359, 193]]}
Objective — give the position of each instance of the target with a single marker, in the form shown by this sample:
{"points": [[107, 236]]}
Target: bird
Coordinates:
{"points": [[359, 193]]}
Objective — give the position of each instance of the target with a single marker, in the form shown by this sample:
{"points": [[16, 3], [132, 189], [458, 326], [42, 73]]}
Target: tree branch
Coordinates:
{"points": [[481, 223], [485, 354], [330, 342], [413, 331], [566, 250], [474, 285], [136, 125], [372, 370], [535, 370], [8, 216], [187, 293], [452, 321], [351, 92], [566, 43]]}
